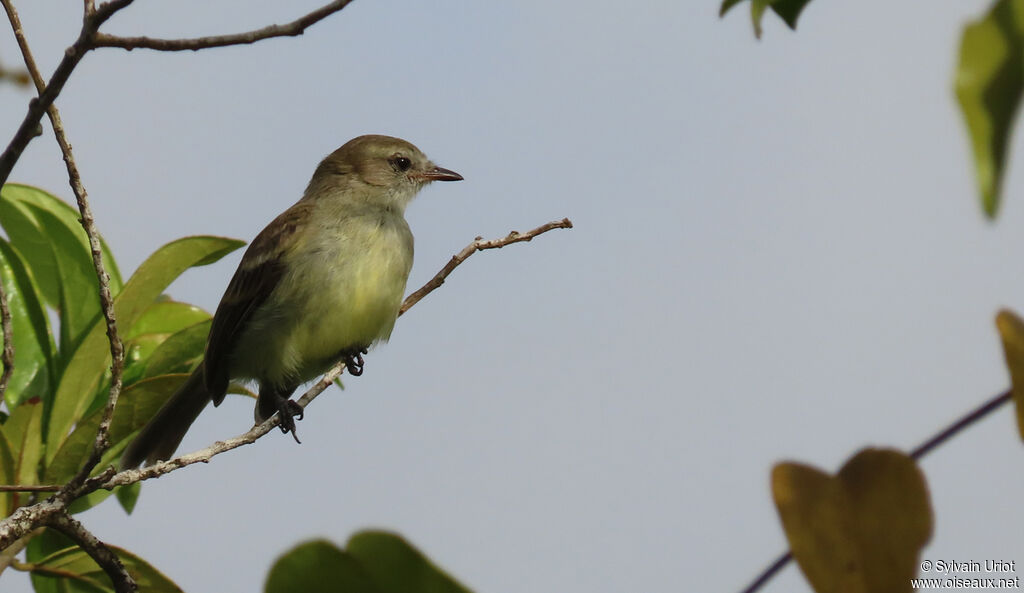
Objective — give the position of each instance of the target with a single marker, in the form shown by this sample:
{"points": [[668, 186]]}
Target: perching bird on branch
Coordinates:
{"points": [[321, 283]]}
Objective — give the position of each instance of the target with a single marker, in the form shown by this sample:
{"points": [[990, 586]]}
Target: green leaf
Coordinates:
{"points": [[22, 433], [79, 289], [374, 562], [17, 204], [76, 565], [181, 352], [788, 10], [989, 82], [33, 344], [128, 496], [136, 356], [166, 317], [78, 386], [397, 567], [318, 567], [137, 404], [41, 546], [8, 473]]}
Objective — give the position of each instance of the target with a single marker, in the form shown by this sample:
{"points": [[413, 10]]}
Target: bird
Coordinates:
{"points": [[322, 283]]}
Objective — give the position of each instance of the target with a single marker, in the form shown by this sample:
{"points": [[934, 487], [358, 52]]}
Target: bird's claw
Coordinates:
{"points": [[289, 410], [354, 362]]}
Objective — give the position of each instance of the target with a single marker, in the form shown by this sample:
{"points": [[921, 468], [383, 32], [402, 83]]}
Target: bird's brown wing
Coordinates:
{"points": [[255, 279]]}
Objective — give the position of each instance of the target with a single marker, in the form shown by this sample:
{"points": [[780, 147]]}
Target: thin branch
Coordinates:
{"points": [[769, 572], [961, 423], [5, 311], [292, 29], [929, 445], [204, 455], [19, 35], [24, 519], [9, 556], [8, 354], [97, 550], [28, 488], [106, 298], [49, 571], [130, 476], [29, 127], [478, 244]]}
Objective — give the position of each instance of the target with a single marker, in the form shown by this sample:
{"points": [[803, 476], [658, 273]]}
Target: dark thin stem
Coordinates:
{"points": [[97, 550], [296, 27], [769, 572], [961, 423], [478, 244], [37, 107], [106, 298], [27, 488], [8, 354], [916, 453]]}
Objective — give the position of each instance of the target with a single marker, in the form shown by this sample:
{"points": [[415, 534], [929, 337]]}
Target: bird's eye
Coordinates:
{"points": [[401, 163]]}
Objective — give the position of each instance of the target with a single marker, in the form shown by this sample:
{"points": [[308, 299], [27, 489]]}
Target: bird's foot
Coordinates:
{"points": [[288, 410], [354, 362]]}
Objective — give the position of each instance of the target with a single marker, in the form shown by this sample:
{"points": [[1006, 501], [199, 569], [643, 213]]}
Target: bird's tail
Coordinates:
{"points": [[159, 439]]}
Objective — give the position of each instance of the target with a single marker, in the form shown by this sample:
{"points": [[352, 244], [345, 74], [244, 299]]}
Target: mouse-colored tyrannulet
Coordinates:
{"points": [[322, 283]]}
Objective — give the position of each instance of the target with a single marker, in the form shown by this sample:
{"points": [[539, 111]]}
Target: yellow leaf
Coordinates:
{"points": [[1011, 331], [860, 531]]}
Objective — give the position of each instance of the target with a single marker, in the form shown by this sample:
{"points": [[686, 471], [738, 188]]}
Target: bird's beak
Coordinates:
{"points": [[439, 174]]}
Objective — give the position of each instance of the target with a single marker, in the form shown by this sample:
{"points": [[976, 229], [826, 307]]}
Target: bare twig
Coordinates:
{"points": [[294, 28], [97, 550], [30, 488], [5, 311], [204, 455], [156, 470], [37, 107], [478, 244], [106, 298], [8, 557], [49, 571], [8, 354], [769, 572], [24, 519], [961, 423], [19, 35], [916, 453]]}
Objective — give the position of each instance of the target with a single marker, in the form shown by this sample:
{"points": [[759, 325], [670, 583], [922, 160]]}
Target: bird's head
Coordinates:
{"points": [[378, 168]]}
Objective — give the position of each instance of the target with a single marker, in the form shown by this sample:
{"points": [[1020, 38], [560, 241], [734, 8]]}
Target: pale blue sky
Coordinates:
{"points": [[778, 254]]}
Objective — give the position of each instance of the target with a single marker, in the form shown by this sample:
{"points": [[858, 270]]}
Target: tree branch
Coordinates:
{"points": [[30, 488], [24, 519], [204, 455], [8, 354], [130, 476], [478, 244], [292, 29], [106, 298], [9, 556], [29, 127], [97, 550]]}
